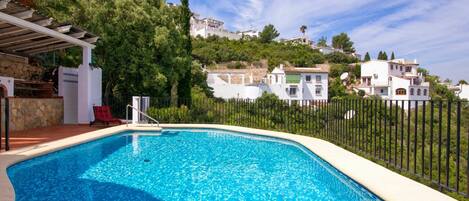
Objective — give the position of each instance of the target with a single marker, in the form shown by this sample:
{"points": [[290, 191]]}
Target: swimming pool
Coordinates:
{"points": [[202, 164]]}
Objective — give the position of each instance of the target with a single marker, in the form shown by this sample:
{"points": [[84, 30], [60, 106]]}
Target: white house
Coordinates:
{"points": [[249, 33], [206, 27], [294, 83], [301, 84], [394, 80], [463, 91]]}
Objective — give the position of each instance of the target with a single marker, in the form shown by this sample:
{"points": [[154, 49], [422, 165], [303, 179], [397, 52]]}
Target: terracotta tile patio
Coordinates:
{"points": [[41, 135]]}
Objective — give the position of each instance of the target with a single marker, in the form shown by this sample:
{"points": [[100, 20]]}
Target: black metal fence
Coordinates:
{"points": [[424, 140]]}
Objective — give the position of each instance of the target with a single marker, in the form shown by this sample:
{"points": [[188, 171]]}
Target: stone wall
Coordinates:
{"points": [[28, 113], [18, 67]]}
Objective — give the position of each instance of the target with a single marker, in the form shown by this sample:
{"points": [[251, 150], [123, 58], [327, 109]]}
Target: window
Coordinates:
{"points": [[401, 91], [425, 92], [392, 67], [382, 91], [411, 91], [276, 78], [292, 91], [419, 92], [408, 69], [400, 68], [318, 90], [308, 78], [318, 78]]}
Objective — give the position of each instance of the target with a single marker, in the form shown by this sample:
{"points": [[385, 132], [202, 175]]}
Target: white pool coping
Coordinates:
{"points": [[383, 182]]}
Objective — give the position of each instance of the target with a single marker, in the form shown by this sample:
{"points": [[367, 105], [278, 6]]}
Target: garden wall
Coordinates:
{"points": [[28, 113]]}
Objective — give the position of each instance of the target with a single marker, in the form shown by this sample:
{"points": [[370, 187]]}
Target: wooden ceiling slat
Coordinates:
{"points": [[24, 31], [42, 43], [15, 29], [22, 15], [57, 47]]}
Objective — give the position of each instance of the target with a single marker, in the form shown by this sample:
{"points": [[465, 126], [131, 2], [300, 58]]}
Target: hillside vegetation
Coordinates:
{"points": [[214, 50]]}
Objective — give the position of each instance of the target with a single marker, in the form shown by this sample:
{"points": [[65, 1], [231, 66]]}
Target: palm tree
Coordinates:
{"points": [[303, 29]]}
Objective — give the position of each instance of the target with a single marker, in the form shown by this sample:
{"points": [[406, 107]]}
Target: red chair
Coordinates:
{"points": [[103, 114]]}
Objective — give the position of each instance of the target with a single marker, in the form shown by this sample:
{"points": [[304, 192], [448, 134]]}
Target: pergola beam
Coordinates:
{"points": [[16, 39], [41, 43], [14, 29], [21, 15], [43, 30], [57, 47], [4, 4]]}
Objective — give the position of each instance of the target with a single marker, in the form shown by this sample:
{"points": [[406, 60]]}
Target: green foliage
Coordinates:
{"points": [[220, 50], [268, 34], [361, 93], [367, 57], [462, 82], [356, 71], [340, 58], [322, 42], [393, 56], [337, 88], [343, 42], [199, 80], [382, 56], [236, 65], [144, 48]]}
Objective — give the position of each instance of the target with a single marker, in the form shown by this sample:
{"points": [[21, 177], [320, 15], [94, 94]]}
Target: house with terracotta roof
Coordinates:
{"points": [[288, 83], [299, 83]]}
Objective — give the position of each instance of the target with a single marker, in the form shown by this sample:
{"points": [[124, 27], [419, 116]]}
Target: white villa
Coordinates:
{"points": [[394, 80], [291, 83], [299, 83], [206, 27], [463, 91]]}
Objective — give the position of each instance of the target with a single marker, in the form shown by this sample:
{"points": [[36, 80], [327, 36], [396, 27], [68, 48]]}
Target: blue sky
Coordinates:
{"points": [[435, 32]]}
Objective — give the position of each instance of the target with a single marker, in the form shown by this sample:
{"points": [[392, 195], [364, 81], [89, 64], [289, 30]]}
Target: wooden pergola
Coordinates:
{"points": [[26, 32]]}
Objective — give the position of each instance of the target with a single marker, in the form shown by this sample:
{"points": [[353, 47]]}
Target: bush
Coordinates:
{"points": [[170, 114]]}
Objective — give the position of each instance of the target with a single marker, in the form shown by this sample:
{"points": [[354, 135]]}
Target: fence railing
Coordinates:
{"points": [[424, 140]]}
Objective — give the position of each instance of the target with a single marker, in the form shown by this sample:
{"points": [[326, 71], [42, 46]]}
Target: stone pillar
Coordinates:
{"points": [[229, 78], [243, 79]]}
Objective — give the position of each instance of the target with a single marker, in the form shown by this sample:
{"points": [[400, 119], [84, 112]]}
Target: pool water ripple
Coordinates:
{"points": [[183, 164]]}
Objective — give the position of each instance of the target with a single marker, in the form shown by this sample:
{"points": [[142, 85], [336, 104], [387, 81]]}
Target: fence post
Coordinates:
{"points": [[7, 124], [467, 166]]}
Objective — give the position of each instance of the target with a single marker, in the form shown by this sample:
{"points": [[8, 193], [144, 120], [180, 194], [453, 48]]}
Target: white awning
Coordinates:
{"points": [[25, 32]]}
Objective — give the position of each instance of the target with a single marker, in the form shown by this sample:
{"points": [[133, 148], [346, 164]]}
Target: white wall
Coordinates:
{"points": [[464, 91], [68, 89], [379, 68], [9, 84]]}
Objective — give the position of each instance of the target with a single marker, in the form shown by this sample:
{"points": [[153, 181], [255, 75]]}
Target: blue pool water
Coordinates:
{"points": [[183, 165]]}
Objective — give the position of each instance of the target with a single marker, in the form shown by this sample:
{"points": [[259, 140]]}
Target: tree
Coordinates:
{"points": [[322, 42], [461, 82], [367, 57], [392, 56], [385, 56], [184, 91], [382, 55], [268, 34], [143, 47], [303, 29], [343, 42]]}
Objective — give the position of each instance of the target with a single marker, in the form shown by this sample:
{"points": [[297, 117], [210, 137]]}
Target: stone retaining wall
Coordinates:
{"points": [[28, 113], [19, 68]]}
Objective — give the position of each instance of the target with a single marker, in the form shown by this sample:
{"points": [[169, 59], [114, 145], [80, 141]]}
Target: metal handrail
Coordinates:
{"points": [[140, 112]]}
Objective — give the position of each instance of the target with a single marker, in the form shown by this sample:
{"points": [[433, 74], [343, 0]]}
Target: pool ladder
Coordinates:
{"points": [[140, 112]]}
